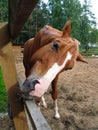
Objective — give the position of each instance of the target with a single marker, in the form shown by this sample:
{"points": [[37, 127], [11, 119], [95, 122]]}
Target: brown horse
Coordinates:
{"points": [[45, 57]]}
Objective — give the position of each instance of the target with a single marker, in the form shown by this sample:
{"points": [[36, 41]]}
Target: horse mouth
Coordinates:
{"points": [[40, 88], [29, 97], [27, 87]]}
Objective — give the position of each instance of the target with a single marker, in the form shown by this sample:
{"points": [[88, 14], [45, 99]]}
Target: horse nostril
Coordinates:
{"points": [[33, 83], [36, 81]]}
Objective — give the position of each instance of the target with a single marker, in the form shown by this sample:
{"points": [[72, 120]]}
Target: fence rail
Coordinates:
{"points": [[36, 120], [29, 118], [90, 52]]}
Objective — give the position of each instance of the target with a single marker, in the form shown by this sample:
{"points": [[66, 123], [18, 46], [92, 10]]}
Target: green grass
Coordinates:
{"points": [[3, 94]]}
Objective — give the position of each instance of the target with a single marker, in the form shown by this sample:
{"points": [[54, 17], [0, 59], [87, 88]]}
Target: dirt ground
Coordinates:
{"points": [[77, 96]]}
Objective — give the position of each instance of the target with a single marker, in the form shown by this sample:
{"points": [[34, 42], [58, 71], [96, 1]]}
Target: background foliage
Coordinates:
{"points": [[55, 13]]}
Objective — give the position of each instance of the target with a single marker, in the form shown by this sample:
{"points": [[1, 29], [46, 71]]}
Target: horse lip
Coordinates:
{"points": [[29, 97]]}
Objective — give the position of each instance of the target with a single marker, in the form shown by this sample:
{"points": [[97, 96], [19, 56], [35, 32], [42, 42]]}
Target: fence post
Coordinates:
{"points": [[10, 78]]}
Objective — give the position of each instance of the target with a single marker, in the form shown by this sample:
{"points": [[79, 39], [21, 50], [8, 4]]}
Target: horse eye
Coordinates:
{"points": [[55, 46]]}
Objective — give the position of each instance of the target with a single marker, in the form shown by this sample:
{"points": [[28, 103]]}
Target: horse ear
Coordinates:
{"points": [[67, 28], [81, 58]]}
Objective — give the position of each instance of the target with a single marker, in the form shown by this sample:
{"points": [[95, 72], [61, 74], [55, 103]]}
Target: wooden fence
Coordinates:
{"points": [[26, 116], [90, 52], [35, 119]]}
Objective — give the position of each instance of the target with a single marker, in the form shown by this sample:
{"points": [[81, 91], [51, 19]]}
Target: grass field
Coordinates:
{"points": [[3, 95]]}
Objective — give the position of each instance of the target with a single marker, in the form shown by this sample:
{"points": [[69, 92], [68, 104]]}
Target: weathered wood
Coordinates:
{"points": [[9, 73], [36, 120], [29, 121], [20, 80], [4, 34], [19, 11]]}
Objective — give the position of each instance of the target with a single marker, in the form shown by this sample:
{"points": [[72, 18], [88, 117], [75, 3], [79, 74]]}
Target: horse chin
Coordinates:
{"points": [[29, 97]]}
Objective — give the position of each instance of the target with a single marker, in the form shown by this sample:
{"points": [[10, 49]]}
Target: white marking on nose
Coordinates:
{"points": [[55, 69]]}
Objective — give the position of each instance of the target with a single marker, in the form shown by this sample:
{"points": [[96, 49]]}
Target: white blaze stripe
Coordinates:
{"points": [[55, 69]]}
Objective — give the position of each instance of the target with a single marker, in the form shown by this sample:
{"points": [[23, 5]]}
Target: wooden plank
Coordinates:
{"points": [[28, 118], [4, 34], [9, 73], [35, 118], [29, 121], [19, 11]]}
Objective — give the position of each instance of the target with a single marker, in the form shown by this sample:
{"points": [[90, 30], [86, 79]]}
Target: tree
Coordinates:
{"points": [[94, 36], [86, 25], [56, 13], [72, 8], [39, 17], [3, 10]]}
